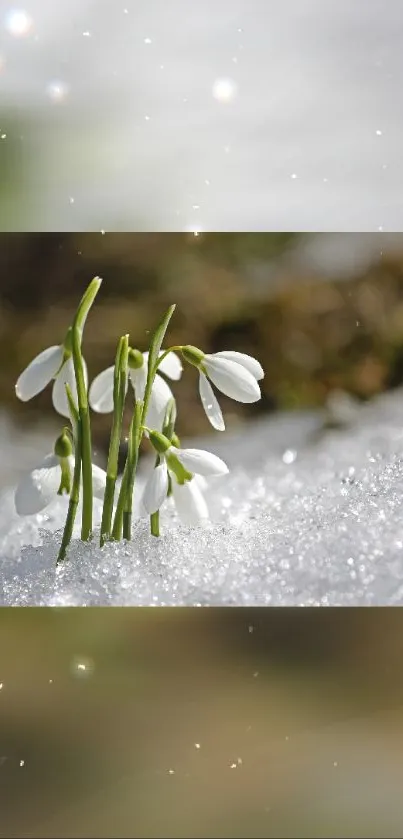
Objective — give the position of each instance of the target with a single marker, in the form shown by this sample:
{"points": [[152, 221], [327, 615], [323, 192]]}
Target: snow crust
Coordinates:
{"points": [[307, 516]]}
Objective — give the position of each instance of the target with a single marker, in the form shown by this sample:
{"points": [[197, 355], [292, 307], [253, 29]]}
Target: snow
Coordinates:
{"points": [[307, 516], [238, 115]]}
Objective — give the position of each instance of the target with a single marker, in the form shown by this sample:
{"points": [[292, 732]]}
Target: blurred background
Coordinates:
{"points": [[238, 115], [322, 312], [193, 722]]}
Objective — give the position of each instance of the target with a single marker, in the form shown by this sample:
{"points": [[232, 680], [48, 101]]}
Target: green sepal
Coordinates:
{"points": [[181, 474], [159, 442], [193, 355]]}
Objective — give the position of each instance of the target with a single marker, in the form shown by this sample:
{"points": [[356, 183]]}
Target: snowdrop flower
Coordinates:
{"points": [[53, 476], [177, 470], [234, 373], [101, 390], [55, 363]]}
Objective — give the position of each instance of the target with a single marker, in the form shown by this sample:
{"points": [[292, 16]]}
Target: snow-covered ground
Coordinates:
{"points": [[306, 517], [237, 115]]}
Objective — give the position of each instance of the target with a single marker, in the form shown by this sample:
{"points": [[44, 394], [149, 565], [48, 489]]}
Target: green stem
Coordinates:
{"points": [[83, 407], [119, 396], [165, 353], [132, 460], [153, 357], [155, 523], [155, 517], [123, 515], [75, 489], [85, 437], [118, 520], [71, 513]]}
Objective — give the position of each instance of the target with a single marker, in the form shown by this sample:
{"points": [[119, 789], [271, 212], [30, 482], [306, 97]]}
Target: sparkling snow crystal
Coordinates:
{"points": [[321, 527]]}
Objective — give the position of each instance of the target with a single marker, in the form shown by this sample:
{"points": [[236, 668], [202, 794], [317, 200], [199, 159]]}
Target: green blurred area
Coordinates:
{"points": [[187, 722], [234, 291]]}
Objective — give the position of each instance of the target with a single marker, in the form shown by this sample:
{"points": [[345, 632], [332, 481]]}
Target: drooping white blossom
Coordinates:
{"points": [[179, 467], [39, 487], [52, 364], [235, 374]]}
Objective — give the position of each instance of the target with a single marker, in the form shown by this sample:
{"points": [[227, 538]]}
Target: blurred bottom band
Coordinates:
{"points": [[215, 722]]}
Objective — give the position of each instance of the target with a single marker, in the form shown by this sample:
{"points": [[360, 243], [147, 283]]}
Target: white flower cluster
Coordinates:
{"points": [[178, 472]]}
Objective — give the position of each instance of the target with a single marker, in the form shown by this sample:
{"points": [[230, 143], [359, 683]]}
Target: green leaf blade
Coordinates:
{"points": [[154, 351]]}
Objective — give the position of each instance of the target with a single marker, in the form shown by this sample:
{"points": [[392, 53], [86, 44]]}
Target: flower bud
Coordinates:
{"points": [[63, 447], [193, 355], [160, 443], [136, 359]]}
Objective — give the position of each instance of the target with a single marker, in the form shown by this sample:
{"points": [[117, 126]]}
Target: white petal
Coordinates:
{"points": [[200, 461], [66, 376], [247, 361], [156, 489], [37, 489], [101, 392], [138, 379], [154, 420], [210, 404], [201, 482], [171, 366], [39, 373], [160, 395], [232, 379], [138, 510], [98, 481], [190, 503]]}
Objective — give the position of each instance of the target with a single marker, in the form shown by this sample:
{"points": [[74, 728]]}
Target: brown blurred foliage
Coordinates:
{"points": [[312, 336]]}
